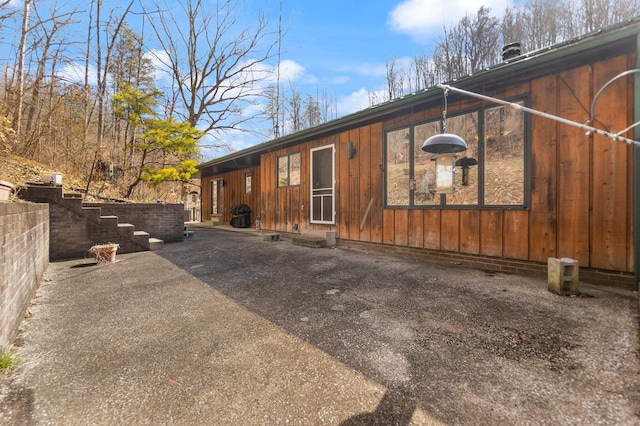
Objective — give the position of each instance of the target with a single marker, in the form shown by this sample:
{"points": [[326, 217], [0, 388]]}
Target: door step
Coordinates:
{"points": [[312, 242], [272, 237]]}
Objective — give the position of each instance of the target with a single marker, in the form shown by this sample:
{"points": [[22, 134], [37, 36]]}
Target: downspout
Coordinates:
{"points": [[636, 170]]}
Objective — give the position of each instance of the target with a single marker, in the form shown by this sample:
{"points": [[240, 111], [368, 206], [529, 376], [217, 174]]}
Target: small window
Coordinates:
{"points": [[247, 183], [289, 170]]}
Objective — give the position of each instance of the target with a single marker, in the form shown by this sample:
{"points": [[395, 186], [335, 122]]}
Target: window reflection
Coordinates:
{"points": [[397, 167], [491, 172]]}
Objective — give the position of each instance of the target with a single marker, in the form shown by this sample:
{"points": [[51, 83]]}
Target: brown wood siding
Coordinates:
{"points": [[544, 203], [574, 154], [233, 193], [375, 212], [610, 204], [581, 186]]}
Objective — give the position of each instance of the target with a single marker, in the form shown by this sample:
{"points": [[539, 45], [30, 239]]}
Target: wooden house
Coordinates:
{"points": [[539, 188]]}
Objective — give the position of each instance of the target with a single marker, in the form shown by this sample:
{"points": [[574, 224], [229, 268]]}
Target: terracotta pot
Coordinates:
{"points": [[105, 252]]}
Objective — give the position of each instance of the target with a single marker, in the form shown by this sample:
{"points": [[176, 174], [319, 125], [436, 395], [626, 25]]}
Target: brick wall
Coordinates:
{"points": [[163, 221], [77, 226], [24, 257]]}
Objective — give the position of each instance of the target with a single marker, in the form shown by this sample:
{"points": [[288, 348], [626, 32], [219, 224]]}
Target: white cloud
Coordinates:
{"points": [[290, 70], [74, 73], [341, 79], [161, 68], [365, 69], [354, 102], [422, 18]]}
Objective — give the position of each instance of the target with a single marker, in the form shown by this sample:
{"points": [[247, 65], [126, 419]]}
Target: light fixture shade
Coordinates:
{"points": [[444, 143]]}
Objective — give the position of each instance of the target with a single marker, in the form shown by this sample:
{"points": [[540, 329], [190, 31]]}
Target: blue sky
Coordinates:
{"points": [[334, 47], [341, 46]]}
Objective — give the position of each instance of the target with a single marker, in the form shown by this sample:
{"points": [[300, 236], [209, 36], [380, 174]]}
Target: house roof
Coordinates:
{"points": [[613, 41]]}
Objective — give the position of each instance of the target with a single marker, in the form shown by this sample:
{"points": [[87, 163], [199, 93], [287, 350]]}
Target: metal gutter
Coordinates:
{"points": [[636, 171]]}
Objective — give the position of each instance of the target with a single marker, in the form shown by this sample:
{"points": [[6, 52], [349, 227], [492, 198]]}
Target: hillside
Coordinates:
{"points": [[19, 171]]}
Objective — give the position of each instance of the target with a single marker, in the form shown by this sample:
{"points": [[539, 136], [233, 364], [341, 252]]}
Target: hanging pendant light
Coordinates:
{"points": [[444, 143], [444, 146]]}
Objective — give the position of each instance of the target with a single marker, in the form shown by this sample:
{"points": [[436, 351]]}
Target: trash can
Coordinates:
{"points": [[240, 216]]}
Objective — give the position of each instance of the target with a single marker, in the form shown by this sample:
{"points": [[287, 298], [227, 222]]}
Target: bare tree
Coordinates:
{"points": [[216, 63], [312, 114], [22, 49], [294, 103], [470, 45]]}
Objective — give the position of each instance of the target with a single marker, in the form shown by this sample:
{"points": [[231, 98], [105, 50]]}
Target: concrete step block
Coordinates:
{"points": [[141, 237], [109, 221], [272, 237], [328, 236], [126, 229], [563, 276], [312, 242], [155, 244]]}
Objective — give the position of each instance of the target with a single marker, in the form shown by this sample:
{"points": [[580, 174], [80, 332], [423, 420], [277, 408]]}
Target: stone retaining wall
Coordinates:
{"points": [[163, 221]]}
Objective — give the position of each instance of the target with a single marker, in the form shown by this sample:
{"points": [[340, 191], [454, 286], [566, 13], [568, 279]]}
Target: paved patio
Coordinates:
{"points": [[228, 329]]}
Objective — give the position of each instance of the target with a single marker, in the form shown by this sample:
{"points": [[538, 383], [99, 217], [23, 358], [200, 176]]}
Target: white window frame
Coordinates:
{"points": [[315, 192]]}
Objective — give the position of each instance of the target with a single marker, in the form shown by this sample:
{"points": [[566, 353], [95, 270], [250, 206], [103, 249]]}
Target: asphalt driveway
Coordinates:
{"points": [[226, 328]]}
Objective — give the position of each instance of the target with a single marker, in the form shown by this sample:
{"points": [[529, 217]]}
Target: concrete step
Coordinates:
{"points": [[272, 237], [312, 242], [109, 221], [155, 244], [126, 229], [141, 237]]}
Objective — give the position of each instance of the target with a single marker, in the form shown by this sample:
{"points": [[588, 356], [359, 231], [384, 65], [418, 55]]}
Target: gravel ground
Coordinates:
{"points": [[344, 336]]}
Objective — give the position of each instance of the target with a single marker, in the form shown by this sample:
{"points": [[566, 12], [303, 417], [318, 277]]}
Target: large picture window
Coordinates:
{"points": [[289, 170], [491, 172]]}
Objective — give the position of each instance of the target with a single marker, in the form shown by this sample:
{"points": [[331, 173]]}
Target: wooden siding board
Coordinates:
{"points": [[573, 166], [268, 162], [342, 164], [470, 231], [401, 227], [375, 214], [450, 227], [491, 232], [416, 228], [388, 227], [363, 156], [431, 229], [610, 176], [544, 204], [631, 118], [354, 187], [515, 234]]}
